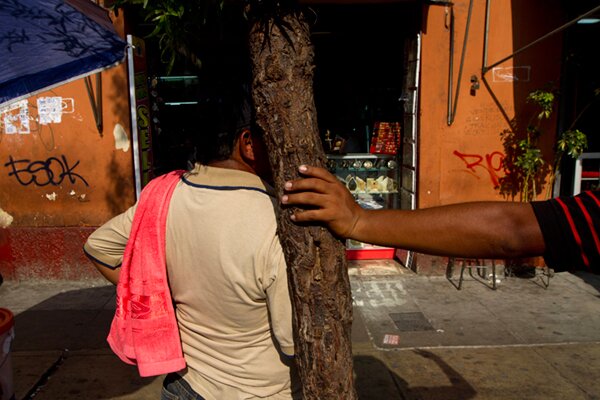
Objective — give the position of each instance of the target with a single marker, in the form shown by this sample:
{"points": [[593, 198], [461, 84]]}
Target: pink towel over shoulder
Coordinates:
{"points": [[144, 329]]}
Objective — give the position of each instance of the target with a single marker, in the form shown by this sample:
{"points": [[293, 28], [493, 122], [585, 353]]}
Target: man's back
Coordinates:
{"points": [[228, 280], [225, 266]]}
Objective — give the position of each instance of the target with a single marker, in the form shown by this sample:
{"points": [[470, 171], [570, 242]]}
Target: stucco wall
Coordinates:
{"points": [[59, 178], [462, 162], [67, 173]]}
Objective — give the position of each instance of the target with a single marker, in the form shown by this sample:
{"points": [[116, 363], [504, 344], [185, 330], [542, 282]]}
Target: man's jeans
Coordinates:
{"points": [[176, 388]]}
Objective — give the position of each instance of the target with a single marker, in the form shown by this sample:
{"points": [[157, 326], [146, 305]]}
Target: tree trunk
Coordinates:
{"points": [[319, 284]]}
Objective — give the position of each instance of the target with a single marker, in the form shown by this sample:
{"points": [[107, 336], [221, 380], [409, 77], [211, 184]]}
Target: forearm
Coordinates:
{"points": [[112, 275], [109, 267], [106, 245], [485, 229]]}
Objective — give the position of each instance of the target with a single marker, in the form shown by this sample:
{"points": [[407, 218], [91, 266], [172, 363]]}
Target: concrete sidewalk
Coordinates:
{"points": [[414, 337]]}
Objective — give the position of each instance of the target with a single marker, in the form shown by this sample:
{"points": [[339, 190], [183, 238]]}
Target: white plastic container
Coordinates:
{"points": [[7, 334]]}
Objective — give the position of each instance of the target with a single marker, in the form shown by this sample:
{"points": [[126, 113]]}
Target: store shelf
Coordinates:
{"points": [[374, 187]]}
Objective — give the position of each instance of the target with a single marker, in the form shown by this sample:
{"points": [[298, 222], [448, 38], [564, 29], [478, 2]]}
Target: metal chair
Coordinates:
{"points": [[478, 264], [543, 273]]}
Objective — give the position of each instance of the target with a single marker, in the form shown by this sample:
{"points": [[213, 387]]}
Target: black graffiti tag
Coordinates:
{"points": [[52, 171]]}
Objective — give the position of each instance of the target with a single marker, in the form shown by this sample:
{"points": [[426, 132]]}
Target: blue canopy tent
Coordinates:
{"points": [[46, 43]]}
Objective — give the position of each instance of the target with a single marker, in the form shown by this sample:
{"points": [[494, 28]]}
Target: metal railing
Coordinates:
{"points": [[579, 170]]}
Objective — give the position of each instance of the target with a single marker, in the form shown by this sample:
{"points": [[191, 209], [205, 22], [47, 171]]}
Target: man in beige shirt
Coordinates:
{"points": [[227, 276]]}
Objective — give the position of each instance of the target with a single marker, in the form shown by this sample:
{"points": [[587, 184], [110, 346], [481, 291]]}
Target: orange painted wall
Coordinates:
{"points": [[62, 179], [68, 174], [459, 162]]}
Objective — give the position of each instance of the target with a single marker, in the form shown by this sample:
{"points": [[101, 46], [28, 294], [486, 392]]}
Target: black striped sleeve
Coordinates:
{"points": [[571, 230]]}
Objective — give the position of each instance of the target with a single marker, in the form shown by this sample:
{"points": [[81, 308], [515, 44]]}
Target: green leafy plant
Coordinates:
{"points": [[524, 162], [178, 25], [573, 143], [545, 100]]}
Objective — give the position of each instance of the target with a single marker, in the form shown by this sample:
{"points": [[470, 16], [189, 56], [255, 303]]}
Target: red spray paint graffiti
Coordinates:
{"points": [[492, 164]]}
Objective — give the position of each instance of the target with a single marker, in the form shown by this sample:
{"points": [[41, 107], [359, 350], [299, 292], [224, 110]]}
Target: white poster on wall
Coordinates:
{"points": [[51, 109], [15, 118], [512, 74]]}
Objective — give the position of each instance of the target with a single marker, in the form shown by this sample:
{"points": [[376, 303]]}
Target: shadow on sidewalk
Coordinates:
{"points": [[74, 320], [60, 350], [589, 278], [374, 381]]}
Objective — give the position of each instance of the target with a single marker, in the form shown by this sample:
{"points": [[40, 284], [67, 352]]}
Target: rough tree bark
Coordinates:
{"points": [[319, 284]]}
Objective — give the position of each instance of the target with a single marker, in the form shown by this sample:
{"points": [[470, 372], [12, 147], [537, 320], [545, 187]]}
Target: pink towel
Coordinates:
{"points": [[144, 329]]}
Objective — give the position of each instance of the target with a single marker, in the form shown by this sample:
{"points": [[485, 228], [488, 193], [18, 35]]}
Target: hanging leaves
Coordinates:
{"points": [[572, 142], [177, 25], [545, 100]]}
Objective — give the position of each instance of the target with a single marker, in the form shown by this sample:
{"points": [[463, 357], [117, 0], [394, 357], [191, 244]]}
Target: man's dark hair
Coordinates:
{"points": [[229, 112]]}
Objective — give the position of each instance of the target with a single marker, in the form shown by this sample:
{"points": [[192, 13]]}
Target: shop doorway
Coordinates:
{"points": [[580, 98], [367, 73]]}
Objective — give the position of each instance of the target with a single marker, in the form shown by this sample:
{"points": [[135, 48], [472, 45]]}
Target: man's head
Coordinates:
{"points": [[250, 152], [230, 137]]}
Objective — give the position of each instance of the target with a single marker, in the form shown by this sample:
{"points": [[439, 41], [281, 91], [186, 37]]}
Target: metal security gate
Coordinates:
{"points": [[408, 167], [410, 134]]}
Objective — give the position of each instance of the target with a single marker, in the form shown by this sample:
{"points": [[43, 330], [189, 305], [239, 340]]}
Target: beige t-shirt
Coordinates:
{"points": [[228, 280]]}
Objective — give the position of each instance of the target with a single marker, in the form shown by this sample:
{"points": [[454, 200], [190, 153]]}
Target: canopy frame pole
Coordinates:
{"points": [[137, 174]]}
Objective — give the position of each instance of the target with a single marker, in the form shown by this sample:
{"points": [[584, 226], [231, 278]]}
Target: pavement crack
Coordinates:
{"points": [[564, 376], [46, 376]]}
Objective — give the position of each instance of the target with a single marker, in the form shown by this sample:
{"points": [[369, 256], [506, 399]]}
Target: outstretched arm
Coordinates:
{"points": [[479, 229]]}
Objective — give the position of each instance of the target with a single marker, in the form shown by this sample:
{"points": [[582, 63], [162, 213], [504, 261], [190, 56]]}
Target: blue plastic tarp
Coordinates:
{"points": [[46, 43]]}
